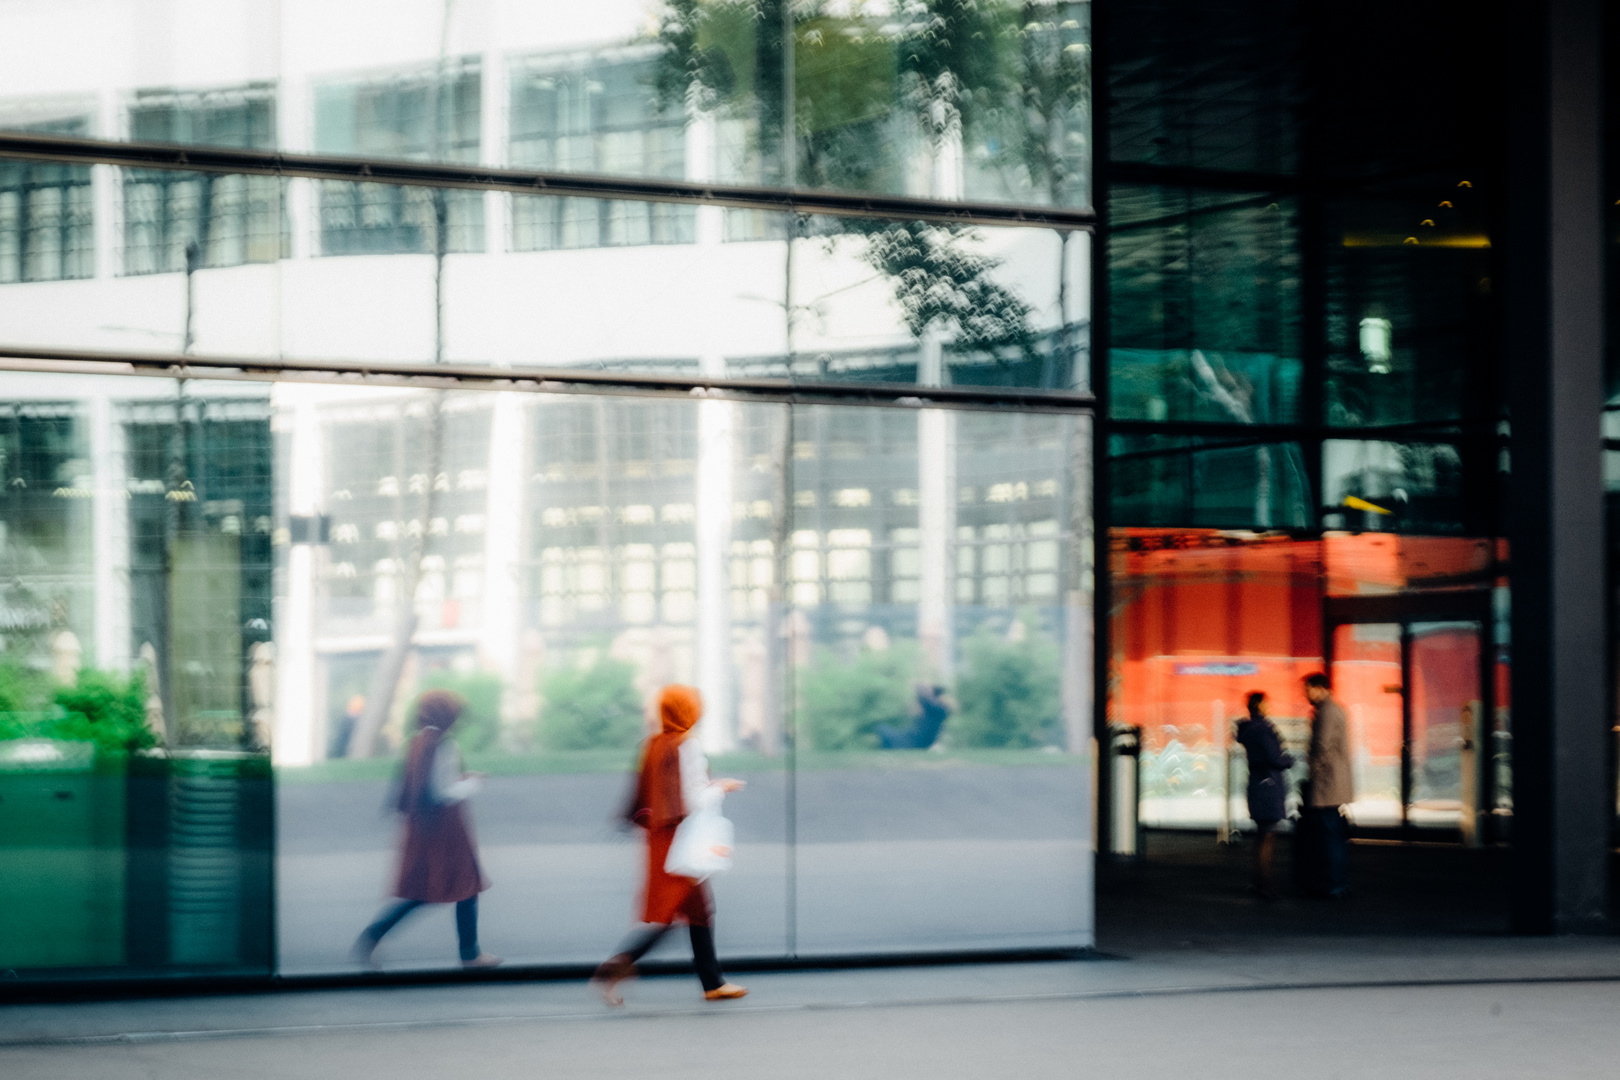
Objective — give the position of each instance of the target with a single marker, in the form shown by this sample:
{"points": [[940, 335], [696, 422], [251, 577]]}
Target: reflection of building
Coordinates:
{"points": [[108, 500], [660, 529], [724, 475]]}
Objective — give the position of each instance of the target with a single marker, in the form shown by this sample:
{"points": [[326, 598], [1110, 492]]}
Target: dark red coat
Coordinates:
{"points": [[438, 863]]}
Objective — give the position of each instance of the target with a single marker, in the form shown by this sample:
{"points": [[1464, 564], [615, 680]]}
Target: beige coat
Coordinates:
{"points": [[1329, 757]]}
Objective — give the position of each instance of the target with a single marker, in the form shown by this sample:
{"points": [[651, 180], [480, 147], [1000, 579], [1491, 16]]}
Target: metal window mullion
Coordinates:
{"points": [[451, 175]]}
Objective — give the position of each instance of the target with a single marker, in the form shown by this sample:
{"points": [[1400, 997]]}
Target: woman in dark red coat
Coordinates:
{"points": [[674, 772], [438, 863]]}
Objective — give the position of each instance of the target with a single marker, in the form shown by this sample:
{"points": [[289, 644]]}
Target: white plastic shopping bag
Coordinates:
{"points": [[703, 840]]}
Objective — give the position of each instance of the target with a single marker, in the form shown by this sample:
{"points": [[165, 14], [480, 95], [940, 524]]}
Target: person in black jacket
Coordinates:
{"points": [[1268, 786]]}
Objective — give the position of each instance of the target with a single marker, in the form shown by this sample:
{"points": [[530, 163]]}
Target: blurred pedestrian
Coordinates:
{"points": [[1268, 787], [674, 773], [1329, 792], [438, 862], [339, 743], [933, 709]]}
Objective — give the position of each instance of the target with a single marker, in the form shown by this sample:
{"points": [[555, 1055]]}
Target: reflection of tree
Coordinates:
{"points": [[865, 89], [940, 283], [1041, 121], [391, 667]]}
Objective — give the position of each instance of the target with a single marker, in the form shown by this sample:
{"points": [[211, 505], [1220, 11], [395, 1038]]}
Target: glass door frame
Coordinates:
{"points": [[1404, 610]]}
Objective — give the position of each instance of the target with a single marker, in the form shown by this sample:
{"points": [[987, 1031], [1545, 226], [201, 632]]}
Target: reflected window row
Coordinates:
{"points": [[880, 105]]}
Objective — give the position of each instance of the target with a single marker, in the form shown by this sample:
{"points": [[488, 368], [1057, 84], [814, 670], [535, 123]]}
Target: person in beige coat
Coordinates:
{"points": [[1331, 790]]}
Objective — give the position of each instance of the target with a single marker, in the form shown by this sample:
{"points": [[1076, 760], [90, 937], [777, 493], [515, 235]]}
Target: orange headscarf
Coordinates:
{"points": [[679, 707], [657, 800]]}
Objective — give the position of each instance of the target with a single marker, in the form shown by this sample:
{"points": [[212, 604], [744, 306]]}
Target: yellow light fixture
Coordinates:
{"points": [[1362, 504], [1446, 203], [1464, 183], [1435, 240]]}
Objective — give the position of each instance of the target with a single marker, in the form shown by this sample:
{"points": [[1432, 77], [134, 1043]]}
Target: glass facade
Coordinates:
{"points": [[572, 350], [1304, 429], [224, 591], [1276, 294], [943, 100], [175, 618]]}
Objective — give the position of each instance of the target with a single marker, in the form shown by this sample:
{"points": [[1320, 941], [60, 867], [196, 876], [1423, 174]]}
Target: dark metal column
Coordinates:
{"points": [[1102, 603], [1550, 270]]}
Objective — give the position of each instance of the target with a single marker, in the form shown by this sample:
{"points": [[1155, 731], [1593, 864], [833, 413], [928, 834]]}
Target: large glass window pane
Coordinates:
{"points": [[819, 299], [1204, 617], [557, 561], [1393, 487], [1204, 306], [987, 101], [136, 676], [1201, 619], [933, 304], [1165, 481], [1207, 86], [939, 577], [1408, 303]]}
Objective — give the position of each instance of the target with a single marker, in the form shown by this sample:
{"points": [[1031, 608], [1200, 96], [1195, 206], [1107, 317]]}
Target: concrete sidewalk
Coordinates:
{"points": [[1345, 1011], [1281, 965]]}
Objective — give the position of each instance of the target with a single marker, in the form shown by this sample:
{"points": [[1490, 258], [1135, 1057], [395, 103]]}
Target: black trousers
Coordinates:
{"points": [[1322, 850], [703, 956], [466, 923]]}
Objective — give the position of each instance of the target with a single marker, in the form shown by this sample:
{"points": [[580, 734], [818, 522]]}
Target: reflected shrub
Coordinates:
{"points": [[1009, 690], [479, 727], [104, 708], [101, 707], [21, 691], [845, 702], [595, 707]]}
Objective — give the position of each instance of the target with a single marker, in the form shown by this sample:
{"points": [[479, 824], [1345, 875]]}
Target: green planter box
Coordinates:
{"points": [[62, 858], [199, 860]]}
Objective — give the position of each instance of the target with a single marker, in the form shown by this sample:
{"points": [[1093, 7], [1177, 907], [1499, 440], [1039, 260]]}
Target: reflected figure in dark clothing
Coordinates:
{"points": [[1332, 790], [1268, 787], [934, 708]]}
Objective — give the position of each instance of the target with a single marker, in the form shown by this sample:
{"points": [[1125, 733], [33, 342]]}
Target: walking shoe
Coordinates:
{"points": [[726, 992], [606, 981], [482, 960]]}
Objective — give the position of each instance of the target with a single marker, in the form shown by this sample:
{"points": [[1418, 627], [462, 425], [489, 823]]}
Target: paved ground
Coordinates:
{"points": [[1435, 1008], [1415, 976], [1412, 977], [1190, 893]]}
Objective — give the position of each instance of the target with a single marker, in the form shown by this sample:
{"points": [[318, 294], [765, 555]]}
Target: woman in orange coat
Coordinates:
{"points": [[674, 772]]}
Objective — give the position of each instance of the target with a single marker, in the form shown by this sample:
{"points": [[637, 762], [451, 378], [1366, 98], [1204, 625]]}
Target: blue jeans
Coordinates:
{"points": [[466, 924]]}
